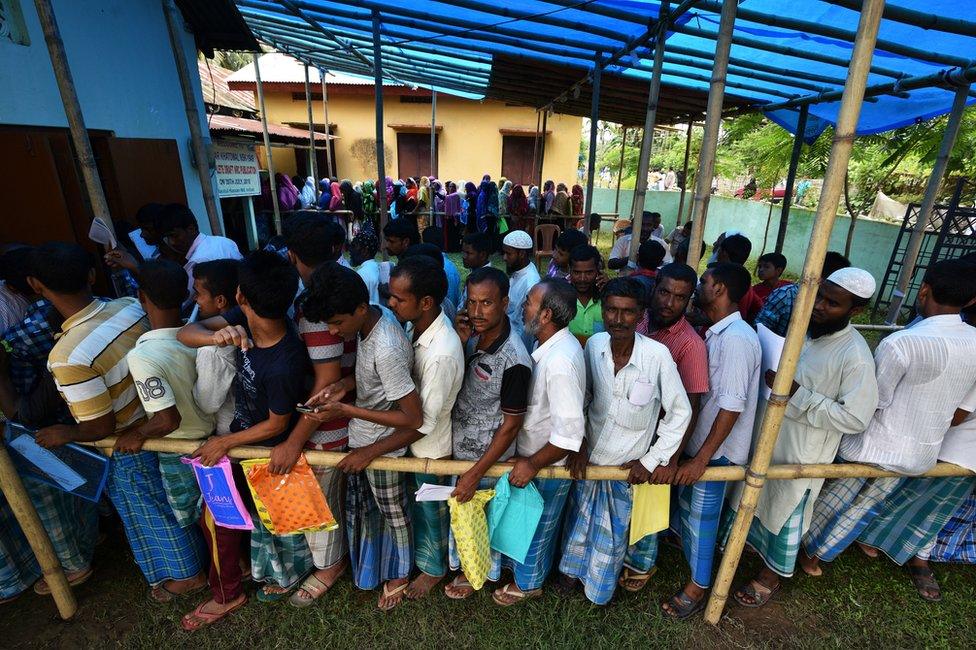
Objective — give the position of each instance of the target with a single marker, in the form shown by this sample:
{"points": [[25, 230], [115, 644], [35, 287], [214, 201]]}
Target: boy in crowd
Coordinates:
{"points": [[522, 276], [272, 376], [491, 405], [629, 380], [475, 254], [565, 242], [90, 370], [778, 307], [362, 257], [769, 269], [383, 421], [650, 229], [587, 277], [435, 236], [650, 256], [734, 249]]}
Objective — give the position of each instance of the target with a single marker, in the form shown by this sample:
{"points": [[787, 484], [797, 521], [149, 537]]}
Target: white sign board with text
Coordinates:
{"points": [[237, 170]]}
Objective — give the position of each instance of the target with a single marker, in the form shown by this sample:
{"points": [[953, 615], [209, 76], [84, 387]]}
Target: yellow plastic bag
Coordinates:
{"points": [[289, 503], [651, 511], [470, 527]]}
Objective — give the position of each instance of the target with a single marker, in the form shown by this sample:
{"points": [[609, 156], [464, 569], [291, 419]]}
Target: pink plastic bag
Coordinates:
{"points": [[221, 495]]}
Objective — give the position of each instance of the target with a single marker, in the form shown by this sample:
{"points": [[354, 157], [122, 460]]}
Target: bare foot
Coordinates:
{"points": [[392, 594], [421, 586], [870, 551], [170, 589], [810, 565], [459, 588]]}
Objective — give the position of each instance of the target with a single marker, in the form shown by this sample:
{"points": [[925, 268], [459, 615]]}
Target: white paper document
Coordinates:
{"points": [[431, 492], [102, 234], [772, 347], [47, 462]]}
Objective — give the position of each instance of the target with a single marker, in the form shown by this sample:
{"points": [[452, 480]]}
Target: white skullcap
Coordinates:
{"points": [[518, 239], [857, 281]]}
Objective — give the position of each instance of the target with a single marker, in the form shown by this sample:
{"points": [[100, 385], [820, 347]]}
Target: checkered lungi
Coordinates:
{"points": [[328, 547], [530, 575], [378, 527]]}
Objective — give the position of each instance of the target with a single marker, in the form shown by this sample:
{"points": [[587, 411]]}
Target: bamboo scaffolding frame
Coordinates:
{"points": [[713, 122], [380, 146], [273, 186], [844, 134], [594, 129], [784, 216], [328, 127], [684, 175], [620, 170]]}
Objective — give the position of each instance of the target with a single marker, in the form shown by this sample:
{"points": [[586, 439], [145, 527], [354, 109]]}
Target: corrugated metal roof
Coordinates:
{"points": [[213, 81], [281, 68], [279, 133]]}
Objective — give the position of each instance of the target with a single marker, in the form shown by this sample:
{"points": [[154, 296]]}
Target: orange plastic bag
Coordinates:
{"points": [[291, 503]]}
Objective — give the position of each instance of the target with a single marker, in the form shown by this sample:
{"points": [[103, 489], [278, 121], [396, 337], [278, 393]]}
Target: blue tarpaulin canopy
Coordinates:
{"points": [[541, 52]]}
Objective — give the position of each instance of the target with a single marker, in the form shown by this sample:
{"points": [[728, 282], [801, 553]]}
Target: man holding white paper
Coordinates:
{"points": [[834, 393]]}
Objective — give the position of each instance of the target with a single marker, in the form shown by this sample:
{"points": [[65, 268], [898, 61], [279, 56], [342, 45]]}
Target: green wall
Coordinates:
{"points": [[871, 250]]}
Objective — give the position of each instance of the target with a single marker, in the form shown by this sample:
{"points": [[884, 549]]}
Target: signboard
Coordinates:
{"points": [[237, 170]]}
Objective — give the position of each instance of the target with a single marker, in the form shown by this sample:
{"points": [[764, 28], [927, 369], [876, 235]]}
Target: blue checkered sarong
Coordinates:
{"points": [[697, 524], [71, 522], [378, 527], [162, 548], [597, 532], [282, 560], [182, 489], [18, 567], [957, 539], [777, 550], [533, 572]]}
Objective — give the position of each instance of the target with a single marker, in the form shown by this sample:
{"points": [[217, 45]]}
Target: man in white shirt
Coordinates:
{"points": [[181, 232], [723, 433], [834, 393], [554, 427], [418, 285], [362, 256], [925, 373], [629, 380], [522, 276], [651, 228]]}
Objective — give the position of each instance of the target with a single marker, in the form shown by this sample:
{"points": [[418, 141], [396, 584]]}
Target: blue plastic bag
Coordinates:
{"points": [[513, 516]]}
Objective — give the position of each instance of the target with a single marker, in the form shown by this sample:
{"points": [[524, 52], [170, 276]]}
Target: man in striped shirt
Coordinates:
{"points": [[90, 369]]}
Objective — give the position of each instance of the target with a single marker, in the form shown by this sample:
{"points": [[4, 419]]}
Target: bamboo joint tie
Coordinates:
{"points": [[755, 479], [778, 399]]}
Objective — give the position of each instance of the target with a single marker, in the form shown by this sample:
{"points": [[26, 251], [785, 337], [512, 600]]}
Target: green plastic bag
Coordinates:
{"points": [[513, 516]]}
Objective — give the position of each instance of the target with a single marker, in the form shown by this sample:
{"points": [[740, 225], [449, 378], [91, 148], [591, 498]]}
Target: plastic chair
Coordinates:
{"points": [[545, 241]]}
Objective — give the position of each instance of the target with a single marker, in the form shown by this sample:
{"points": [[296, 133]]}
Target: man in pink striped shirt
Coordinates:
{"points": [[665, 323]]}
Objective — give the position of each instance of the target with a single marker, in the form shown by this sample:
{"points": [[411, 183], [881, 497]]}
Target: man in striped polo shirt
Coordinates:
{"points": [[90, 369]]}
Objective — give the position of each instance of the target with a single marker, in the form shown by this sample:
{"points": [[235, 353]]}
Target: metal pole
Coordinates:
{"points": [[201, 154], [928, 202], [594, 126], [535, 145], [713, 123], [433, 153], [380, 151], [267, 146], [620, 171], [328, 128], [72, 110], [784, 217], [850, 109], [542, 152], [650, 120], [684, 176], [312, 163]]}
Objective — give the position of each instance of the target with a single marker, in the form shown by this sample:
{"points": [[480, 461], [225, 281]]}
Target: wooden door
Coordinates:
{"points": [[517, 153], [136, 171], [413, 155]]}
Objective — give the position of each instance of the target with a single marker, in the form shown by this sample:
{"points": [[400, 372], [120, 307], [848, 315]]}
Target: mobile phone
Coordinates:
{"points": [[301, 408]]}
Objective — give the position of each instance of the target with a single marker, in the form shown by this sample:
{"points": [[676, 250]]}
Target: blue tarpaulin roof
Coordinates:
{"points": [[540, 52]]}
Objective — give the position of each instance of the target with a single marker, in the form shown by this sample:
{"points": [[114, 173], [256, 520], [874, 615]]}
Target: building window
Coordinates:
{"points": [[12, 26], [517, 154], [413, 154]]}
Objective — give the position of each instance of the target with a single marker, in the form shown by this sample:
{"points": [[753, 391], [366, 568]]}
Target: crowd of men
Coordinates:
{"points": [[657, 371]]}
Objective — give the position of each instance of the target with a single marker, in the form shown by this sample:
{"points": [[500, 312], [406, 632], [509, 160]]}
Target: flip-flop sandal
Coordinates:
{"points": [[460, 582], [198, 618], [160, 594], [629, 575], [270, 597], [314, 587], [682, 606], [924, 580], [389, 593], [519, 596], [41, 588], [758, 592]]}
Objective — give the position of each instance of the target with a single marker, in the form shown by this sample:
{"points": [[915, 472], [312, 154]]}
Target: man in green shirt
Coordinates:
{"points": [[587, 277]]}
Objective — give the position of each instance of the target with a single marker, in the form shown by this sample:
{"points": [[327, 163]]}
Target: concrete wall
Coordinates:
{"points": [[124, 71], [871, 249], [469, 142]]}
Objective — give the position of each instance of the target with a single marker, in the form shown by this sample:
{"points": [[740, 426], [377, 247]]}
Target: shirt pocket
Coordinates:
{"points": [[635, 419]]}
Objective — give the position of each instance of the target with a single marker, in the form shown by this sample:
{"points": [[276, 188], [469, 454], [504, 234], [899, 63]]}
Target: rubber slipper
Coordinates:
{"points": [[314, 587], [629, 575], [682, 606], [758, 592], [460, 582], [924, 580], [198, 618], [41, 588], [389, 593], [519, 596]]}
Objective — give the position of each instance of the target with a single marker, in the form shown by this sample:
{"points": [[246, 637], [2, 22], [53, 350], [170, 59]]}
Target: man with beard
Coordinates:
{"points": [[522, 276], [834, 393], [585, 271], [723, 434]]}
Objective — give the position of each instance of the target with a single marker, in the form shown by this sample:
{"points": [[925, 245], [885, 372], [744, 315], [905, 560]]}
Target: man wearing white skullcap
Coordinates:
{"points": [[926, 382], [834, 393], [522, 276]]}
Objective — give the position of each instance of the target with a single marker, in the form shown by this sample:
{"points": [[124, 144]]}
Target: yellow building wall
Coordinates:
{"points": [[469, 141]]}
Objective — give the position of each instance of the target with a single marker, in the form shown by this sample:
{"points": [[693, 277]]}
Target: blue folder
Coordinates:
{"points": [[71, 468]]}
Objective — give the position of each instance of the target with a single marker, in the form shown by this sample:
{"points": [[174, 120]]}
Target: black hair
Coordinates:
{"points": [[953, 282], [490, 274], [778, 260], [164, 283], [624, 288], [560, 298], [427, 250], [433, 235], [61, 267], [269, 283], [584, 253], [734, 276], [313, 238], [570, 239], [333, 289], [833, 261], [650, 254], [480, 241], [220, 277], [427, 278], [737, 247], [678, 271], [403, 229], [15, 267], [650, 215], [149, 214], [175, 215]]}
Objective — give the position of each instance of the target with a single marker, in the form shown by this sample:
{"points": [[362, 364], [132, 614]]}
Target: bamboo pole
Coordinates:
{"points": [[784, 216], [542, 154], [594, 127], [684, 174], [928, 203], [267, 145], [433, 156], [844, 134], [713, 123], [535, 147], [72, 110], [380, 146], [312, 162], [200, 153], [620, 171], [23, 509], [328, 128]]}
